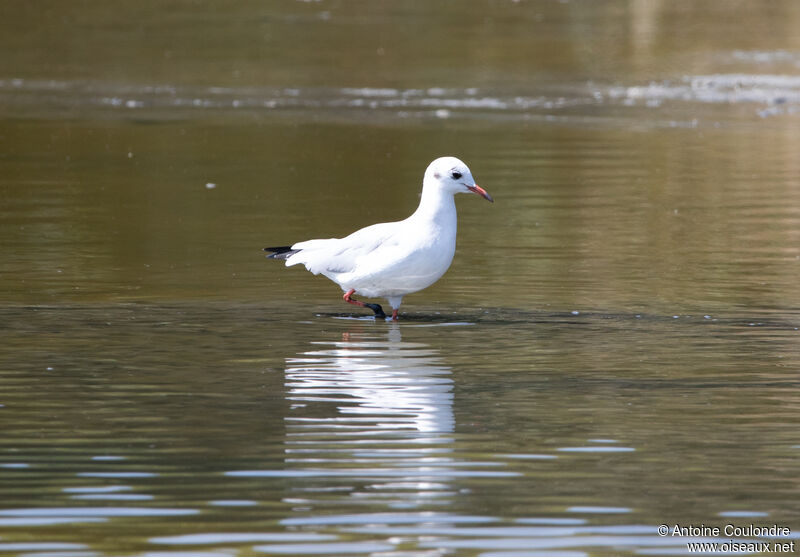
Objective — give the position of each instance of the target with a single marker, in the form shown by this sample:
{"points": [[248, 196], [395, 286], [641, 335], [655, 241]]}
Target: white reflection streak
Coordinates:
{"points": [[394, 385], [381, 408]]}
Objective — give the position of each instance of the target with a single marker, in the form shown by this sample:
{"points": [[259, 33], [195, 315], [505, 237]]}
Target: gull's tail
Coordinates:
{"points": [[281, 252]]}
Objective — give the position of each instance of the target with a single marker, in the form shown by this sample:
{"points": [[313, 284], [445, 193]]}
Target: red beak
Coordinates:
{"points": [[480, 191]]}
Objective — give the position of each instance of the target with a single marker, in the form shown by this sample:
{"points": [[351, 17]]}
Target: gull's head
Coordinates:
{"points": [[451, 175]]}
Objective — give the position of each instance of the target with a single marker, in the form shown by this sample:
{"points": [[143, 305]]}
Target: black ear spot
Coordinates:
{"points": [[437, 175]]}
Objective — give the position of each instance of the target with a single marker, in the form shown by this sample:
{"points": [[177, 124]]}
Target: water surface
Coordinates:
{"points": [[614, 348]]}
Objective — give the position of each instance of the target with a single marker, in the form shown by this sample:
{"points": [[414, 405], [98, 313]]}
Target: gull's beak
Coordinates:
{"points": [[475, 188]]}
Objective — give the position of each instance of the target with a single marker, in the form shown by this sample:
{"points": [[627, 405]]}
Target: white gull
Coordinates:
{"points": [[392, 259]]}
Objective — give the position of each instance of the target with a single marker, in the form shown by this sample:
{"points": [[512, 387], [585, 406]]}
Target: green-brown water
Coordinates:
{"points": [[615, 346]]}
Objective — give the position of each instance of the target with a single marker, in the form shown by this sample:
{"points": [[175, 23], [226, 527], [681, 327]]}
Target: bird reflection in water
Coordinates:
{"points": [[371, 416]]}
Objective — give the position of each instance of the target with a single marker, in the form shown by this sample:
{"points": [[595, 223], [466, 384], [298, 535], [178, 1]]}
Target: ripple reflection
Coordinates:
{"points": [[377, 409]]}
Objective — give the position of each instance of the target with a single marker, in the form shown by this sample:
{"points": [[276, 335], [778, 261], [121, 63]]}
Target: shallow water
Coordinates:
{"points": [[140, 428], [614, 348]]}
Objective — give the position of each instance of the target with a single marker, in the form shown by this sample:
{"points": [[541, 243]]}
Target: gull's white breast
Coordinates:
{"points": [[405, 263]]}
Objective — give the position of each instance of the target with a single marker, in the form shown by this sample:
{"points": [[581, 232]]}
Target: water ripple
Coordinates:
{"points": [[64, 512], [772, 95]]}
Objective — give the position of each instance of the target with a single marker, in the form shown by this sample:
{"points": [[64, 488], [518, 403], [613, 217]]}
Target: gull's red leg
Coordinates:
{"points": [[394, 315], [349, 300], [374, 307]]}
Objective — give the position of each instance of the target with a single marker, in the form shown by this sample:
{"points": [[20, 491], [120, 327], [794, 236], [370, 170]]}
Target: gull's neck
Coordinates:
{"points": [[436, 205]]}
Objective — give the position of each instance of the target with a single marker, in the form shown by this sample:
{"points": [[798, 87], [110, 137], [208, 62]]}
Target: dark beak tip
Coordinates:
{"points": [[475, 188]]}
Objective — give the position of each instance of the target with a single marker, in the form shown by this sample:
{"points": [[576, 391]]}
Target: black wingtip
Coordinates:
{"points": [[280, 252]]}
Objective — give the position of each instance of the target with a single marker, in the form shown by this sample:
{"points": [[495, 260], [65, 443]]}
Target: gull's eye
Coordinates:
{"points": [[456, 175]]}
